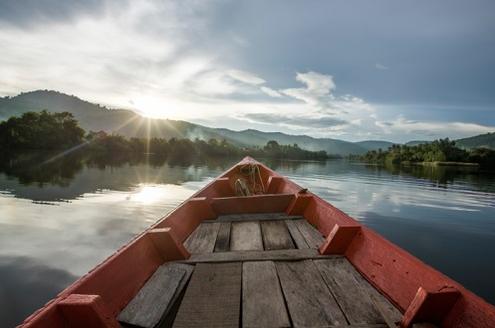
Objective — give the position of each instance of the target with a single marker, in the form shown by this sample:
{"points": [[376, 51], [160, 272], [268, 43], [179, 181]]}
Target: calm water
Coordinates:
{"points": [[59, 219]]}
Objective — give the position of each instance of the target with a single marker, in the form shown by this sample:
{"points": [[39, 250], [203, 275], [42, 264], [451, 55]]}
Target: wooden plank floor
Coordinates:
{"points": [[245, 234], [213, 297], [263, 303], [264, 270]]}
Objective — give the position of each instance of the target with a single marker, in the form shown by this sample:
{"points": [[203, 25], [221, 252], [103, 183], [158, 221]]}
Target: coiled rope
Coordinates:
{"points": [[251, 174]]}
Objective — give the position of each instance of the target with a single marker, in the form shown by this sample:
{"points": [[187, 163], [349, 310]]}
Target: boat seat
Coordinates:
{"points": [[156, 298], [265, 203]]}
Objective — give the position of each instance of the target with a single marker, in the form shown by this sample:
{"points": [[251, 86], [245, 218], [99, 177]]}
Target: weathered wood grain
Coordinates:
{"points": [[157, 296], [388, 311], [256, 217], [276, 255], [245, 236], [312, 236], [262, 300], [213, 297], [202, 240], [296, 234], [309, 301], [223, 238], [353, 299], [276, 235]]}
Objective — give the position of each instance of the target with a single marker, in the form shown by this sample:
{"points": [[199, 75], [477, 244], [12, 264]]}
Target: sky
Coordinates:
{"points": [[353, 70]]}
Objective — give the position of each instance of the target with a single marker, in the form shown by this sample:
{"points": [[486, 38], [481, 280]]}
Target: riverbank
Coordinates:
{"points": [[439, 163]]}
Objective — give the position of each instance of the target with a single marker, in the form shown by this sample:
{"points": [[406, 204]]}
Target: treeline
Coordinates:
{"points": [[103, 144], [41, 130], [442, 150], [61, 131]]}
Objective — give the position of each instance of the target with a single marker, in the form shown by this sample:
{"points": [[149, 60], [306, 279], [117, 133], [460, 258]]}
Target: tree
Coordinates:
{"points": [[41, 130]]}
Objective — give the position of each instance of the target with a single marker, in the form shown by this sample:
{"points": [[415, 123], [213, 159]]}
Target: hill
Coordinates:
{"points": [[375, 144], [95, 117], [416, 142], [486, 140]]}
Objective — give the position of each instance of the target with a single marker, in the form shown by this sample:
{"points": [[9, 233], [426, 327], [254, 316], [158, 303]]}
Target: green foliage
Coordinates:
{"points": [[486, 140], [45, 130], [185, 149], [442, 150], [40, 130]]}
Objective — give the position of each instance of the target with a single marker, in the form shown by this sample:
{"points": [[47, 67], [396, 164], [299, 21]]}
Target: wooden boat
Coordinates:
{"points": [[276, 256]]}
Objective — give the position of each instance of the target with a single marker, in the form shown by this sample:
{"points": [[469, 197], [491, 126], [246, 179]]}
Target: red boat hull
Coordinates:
{"points": [[419, 290]]}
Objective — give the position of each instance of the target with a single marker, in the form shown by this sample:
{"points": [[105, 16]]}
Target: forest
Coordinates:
{"points": [[61, 131], [440, 151]]}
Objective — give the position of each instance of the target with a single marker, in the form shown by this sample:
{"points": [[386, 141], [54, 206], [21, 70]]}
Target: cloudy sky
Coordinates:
{"points": [[353, 70]]}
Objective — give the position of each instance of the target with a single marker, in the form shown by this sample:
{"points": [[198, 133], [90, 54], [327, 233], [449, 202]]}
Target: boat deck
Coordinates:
{"points": [[258, 270]]}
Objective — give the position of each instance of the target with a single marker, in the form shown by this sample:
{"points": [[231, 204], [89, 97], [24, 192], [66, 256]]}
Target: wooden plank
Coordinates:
{"points": [[257, 217], [262, 300], [296, 234], [223, 238], [245, 236], [312, 236], [276, 255], [276, 235], [202, 240], [213, 297], [353, 299], [388, 311], [157, 296], [309, 301]]}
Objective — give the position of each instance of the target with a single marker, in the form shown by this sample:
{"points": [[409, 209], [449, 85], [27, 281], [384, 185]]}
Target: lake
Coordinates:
{"points": [[59, 217]]}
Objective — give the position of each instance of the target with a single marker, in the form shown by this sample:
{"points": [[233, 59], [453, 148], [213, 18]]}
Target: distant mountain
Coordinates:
{"points": [[92, 116], [416, 142], [128, 123], [375, 144], [483, 140]]}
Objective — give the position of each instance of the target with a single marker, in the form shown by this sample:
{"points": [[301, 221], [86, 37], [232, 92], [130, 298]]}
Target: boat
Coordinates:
{"points": [[254, 249]]}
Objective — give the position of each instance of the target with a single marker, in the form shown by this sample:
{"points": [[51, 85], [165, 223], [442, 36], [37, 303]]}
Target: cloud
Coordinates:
{"points": [[193, 59], [380, 66], [245, 77], [433, 129], [298, 122], [26, 13], [317, 88], [271, 92]]}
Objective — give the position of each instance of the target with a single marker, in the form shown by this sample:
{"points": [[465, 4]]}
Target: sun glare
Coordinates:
{"points": [[148, 194], [151, 107]]}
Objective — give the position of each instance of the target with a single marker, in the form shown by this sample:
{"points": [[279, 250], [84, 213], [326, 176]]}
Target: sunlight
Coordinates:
{"points": [[148, 194], [151, 107]]}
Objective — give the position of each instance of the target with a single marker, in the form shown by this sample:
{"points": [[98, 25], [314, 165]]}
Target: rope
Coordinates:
{"points": [[252, 173]]}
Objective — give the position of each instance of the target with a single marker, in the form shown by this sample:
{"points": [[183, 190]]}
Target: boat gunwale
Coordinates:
{"points": [[469, 307]]}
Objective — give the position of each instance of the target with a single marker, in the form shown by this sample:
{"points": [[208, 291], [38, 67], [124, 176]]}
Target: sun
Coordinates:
{"points": [[151, 107]]}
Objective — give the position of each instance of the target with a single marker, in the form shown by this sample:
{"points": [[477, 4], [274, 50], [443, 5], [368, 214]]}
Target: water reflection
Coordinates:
{"points": [[25, 286], [445, 216]]}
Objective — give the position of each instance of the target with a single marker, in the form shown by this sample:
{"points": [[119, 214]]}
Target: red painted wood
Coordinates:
{"points": [[339, 239], [275, 183], [299, 204], [82, 311], [431, 307], [389, 268], [186, 218], [221, 187], [167, 244], [252, 204]]}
